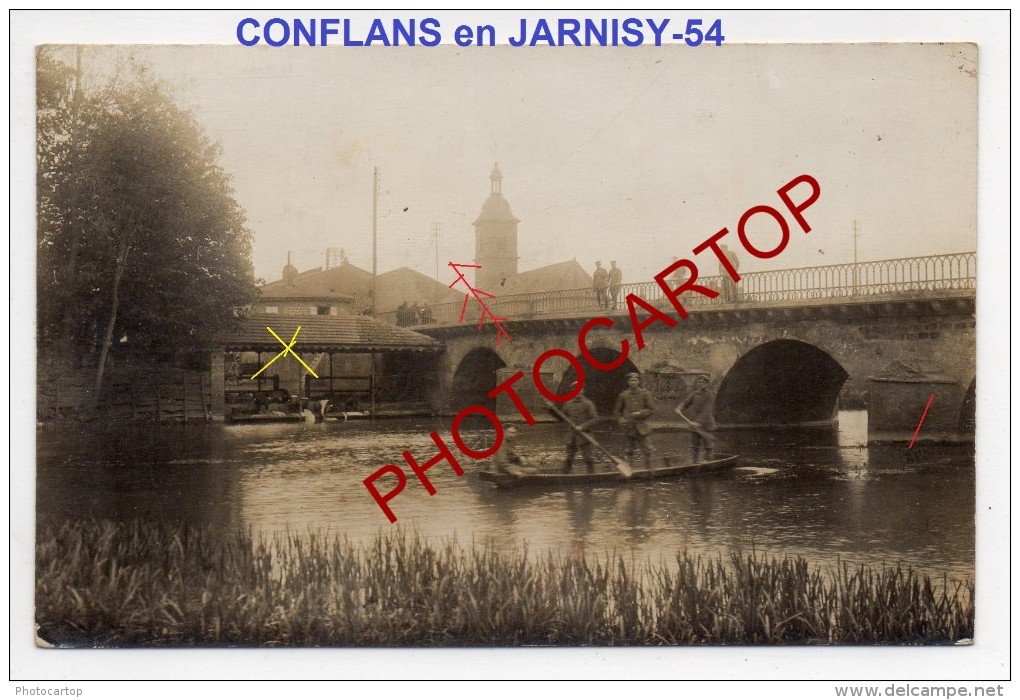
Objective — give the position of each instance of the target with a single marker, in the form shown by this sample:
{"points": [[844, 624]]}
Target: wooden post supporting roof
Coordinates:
{"points": [[217, 385]]}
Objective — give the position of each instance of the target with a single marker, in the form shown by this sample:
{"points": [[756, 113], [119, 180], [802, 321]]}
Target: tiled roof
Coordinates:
{"points": [[412, 287], [348, 282], [550, 278], [345, 333], [314, 284]]}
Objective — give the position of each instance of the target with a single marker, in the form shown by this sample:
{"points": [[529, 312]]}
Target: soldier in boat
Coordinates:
{"points": [[698, 410], [634, 407], [508, 460], [582, 414]]}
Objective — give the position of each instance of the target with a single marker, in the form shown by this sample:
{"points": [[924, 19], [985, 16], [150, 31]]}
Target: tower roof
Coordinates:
{"points": [[496, 208]]}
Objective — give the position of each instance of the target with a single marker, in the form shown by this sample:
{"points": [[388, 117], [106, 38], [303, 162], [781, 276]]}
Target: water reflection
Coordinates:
{"points": [[581, 505], [822, 494]]}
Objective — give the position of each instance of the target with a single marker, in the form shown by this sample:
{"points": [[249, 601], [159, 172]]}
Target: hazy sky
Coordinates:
{"points": [[634, 155]]}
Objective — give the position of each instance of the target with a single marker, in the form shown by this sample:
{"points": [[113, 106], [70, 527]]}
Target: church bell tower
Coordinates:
{"points": [[495, 239]]}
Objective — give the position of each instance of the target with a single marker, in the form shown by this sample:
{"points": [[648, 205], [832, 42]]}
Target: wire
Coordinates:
{"points": [[423, 257]]}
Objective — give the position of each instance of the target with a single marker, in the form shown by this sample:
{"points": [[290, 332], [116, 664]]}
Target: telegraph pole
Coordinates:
{"points": [[375, 236], [375, 273], [435, 238]]}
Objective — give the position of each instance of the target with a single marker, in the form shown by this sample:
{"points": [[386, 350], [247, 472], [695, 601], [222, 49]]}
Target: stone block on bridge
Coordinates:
{"points": [[897, 398]]}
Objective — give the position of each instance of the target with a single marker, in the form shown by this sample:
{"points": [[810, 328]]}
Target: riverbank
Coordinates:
{"points": [[141, 584]]}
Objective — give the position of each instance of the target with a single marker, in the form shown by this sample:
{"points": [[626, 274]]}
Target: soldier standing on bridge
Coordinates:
{"points": [[600, 283], [615, 281], [634, 407], [729, 286], [680, 276]]}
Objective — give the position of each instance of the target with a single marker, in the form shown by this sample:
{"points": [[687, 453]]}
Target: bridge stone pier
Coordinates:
{"points": [[771, 364]]}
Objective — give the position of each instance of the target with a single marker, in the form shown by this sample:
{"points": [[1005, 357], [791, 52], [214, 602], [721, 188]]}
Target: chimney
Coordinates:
{"points": [[289, 271]]}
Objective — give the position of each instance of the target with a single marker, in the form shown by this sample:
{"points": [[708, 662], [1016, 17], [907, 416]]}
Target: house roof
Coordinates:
{"points": [[405, 284], [346, 278], [347, 282], [308, 285], [551, 278], [325, 334]]}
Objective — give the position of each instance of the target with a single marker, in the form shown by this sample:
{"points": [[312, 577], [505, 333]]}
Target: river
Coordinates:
{"points": [[822, 494]]}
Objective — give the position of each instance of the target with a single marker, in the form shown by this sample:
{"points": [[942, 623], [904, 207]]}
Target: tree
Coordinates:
{"points": [[139, 231]]}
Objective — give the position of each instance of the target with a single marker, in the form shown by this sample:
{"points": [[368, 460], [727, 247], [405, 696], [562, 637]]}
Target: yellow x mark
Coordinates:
{"points": [[286, 349]]}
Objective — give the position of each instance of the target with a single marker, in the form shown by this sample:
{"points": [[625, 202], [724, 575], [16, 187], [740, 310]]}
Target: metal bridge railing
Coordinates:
{"points": [[933, 273]]}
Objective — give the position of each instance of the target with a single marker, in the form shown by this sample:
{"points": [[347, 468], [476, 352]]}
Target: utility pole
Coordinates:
{"points": [[375, 274], [435, 238], [375, 237]]}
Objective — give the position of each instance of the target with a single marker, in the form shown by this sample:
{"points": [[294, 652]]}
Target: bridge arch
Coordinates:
{"points": [[474, 378], [602, 387], [781, 382]]}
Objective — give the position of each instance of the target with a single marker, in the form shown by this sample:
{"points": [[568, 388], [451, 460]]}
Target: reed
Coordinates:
{"points": [[143, 584]]}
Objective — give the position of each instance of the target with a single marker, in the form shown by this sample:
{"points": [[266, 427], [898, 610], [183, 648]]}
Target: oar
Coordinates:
{"points": [[706, 436], [621, 465]]}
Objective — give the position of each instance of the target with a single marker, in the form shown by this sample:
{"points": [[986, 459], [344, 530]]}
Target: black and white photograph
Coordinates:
{"points": [[436, 346]]}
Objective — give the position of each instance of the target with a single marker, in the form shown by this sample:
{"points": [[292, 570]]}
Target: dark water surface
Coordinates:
{"points": [[820, 494]]}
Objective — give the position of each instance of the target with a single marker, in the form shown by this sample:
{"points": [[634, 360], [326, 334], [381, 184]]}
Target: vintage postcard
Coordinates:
{"points": [[538, 344]]}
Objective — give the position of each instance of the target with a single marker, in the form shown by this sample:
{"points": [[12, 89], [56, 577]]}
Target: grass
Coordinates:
{"points": [[140, 584]]}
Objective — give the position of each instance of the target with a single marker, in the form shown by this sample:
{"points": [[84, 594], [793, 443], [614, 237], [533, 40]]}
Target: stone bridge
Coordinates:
{"points": [[786, 349]]}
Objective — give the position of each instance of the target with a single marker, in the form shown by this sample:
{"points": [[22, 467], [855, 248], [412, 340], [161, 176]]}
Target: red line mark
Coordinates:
{"points": [[501, 332], [921, 421]]}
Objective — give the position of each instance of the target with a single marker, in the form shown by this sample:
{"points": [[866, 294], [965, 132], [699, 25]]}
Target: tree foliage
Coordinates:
{"points": [[139, 231]]}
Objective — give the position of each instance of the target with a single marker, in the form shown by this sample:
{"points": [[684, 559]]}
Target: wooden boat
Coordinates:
{"points": [[673, 467], [306, 416], [267, 418]]}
